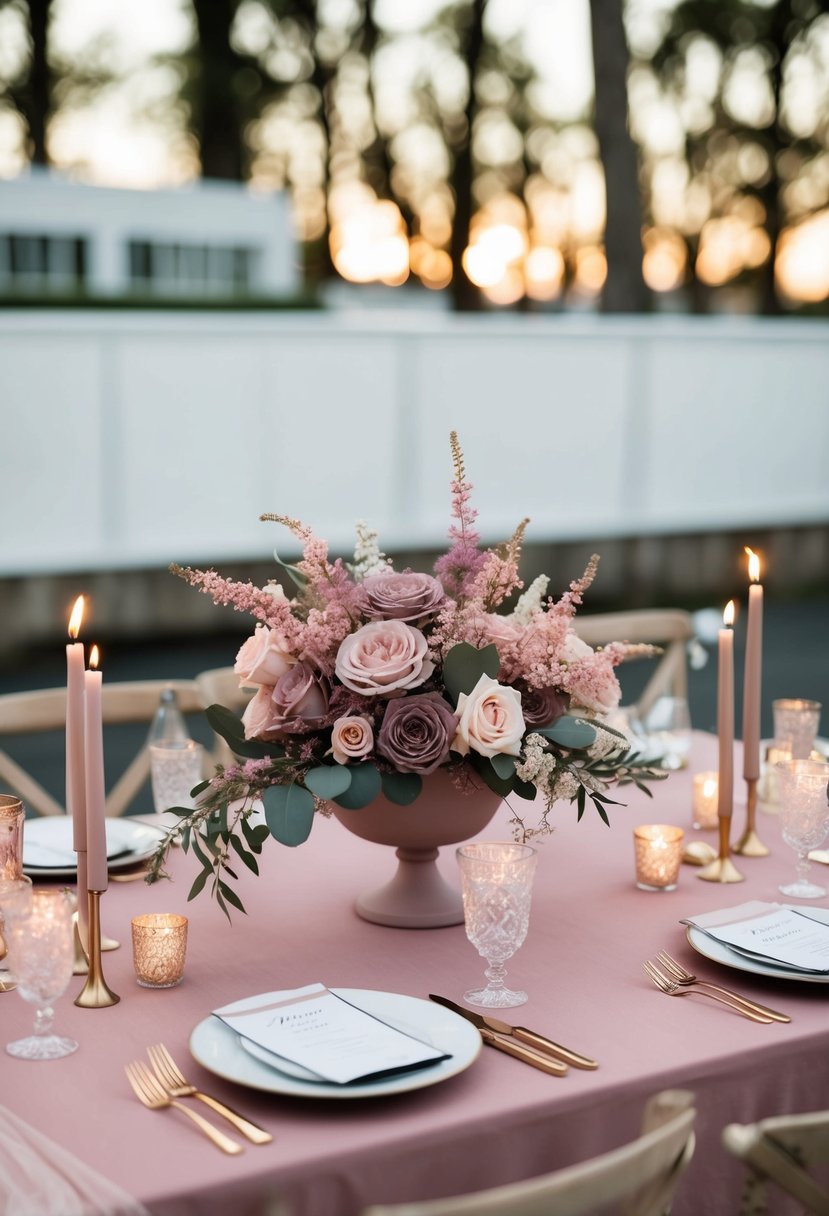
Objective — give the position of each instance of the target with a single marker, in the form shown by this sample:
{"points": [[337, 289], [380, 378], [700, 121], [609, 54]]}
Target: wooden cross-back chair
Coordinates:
{"points": [[670, 628], [29, 713], [638, 1179], [783, 1151]]}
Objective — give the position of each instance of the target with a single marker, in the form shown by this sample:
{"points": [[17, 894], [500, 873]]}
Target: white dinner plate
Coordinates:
{"points": [[48, 853], [218, 1048], [718, 952]]}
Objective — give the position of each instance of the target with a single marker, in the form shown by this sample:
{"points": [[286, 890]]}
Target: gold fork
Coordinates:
{"points": [[672, 988], [677, 972], [177, 1086], [148, 1091]]}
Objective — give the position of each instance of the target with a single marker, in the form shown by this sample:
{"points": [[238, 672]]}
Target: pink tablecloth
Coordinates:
{"points": [[498, 1121]]}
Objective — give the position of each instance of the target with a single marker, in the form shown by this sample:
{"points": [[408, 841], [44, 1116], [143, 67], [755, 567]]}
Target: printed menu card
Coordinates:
{"points": [[787, 936], [329, 1036]]}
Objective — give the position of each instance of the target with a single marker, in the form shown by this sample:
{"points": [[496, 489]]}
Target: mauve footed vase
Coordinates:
{"points": [[418, 897]]}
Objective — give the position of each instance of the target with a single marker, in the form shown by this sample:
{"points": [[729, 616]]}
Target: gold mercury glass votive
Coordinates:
{"points": [[706, 790], [159, 942], [658, 848]]}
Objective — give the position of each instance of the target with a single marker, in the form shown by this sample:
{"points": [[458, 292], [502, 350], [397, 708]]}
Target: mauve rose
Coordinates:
{"points": [[541, 706], [352, 738], [402, 597], [298, 702], [261, 660], [489, 720], [382, 658], [417, 732]]}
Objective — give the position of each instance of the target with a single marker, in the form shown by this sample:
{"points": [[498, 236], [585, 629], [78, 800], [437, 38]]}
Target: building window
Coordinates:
{"points": [[37, 263], [189, 269]]}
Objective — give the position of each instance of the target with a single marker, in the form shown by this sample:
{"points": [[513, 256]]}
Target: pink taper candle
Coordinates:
{"points": [[725, 714], [753, 672], [96, 845], [74, 729]]}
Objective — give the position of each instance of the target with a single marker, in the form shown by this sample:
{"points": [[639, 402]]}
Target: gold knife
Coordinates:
{"points": [[521, 1033], [503, 1042]]}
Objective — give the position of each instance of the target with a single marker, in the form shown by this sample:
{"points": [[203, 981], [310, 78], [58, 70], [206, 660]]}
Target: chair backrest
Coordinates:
{"points": [[220, 686], [637, 1179], [782, 1150], [670, 628], [30, 713]]}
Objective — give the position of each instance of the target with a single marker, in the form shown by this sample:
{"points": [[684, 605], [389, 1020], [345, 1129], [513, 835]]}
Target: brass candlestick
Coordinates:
{"points": [[723, 868], [95, 994], [750, 844]]}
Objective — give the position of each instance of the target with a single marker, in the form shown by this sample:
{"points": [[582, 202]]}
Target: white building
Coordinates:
{"points": [[211, 240]]}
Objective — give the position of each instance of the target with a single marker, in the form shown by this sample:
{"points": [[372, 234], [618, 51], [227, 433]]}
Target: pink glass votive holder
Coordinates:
{"points": [[706, 788], [658, 849], [159, 942]]}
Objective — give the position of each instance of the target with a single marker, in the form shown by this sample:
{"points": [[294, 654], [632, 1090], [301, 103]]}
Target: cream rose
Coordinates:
{"points": [[261, 660], [489, 720], [383, 657], [352, 737]]}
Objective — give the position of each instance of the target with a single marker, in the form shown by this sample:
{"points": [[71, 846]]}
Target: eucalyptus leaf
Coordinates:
{"points": [[329, 780], [464, 665], [525, 789], [365, 786], [572, 733], [482, 766], [402, 788], [504, 765], [294, 573], [289, 813], [198, 883], [231, 896]]}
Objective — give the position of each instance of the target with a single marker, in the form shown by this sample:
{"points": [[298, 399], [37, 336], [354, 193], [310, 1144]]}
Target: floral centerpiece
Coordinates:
{"points": [[367, 680]]}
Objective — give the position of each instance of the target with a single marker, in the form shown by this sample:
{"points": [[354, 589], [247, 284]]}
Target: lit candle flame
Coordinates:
{"points": [[753, 565], [728, 613], [76, 617], [93, 658]]}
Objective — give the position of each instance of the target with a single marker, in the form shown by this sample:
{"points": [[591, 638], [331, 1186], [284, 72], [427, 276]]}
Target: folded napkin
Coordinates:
{"points": [[785, 937], [327, 1035], [39, 1178]]}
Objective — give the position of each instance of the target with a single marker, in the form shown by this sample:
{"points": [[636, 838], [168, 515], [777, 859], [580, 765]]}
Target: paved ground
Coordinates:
{"points": [[796, 664]]}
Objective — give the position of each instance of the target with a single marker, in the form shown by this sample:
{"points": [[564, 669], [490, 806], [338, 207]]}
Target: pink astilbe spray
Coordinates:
{"points": [[245, 597], [328, 583], [457, 568]]}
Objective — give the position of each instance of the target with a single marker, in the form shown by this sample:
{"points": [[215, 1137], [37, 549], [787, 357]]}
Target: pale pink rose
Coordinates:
{"points": [[499, 628], [260, 714], [262, 660], [352, 738], [383, 657], [489, 720]]}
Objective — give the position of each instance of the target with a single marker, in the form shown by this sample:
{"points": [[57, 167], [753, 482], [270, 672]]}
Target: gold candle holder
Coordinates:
{"points": [[705, 795], [750, 844], [159, 943], [658, 849], [723, 868], [95, 994]]}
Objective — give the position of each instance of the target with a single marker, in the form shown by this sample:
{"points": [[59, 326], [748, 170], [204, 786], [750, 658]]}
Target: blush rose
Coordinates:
{"points": [[490, 721], [261, 660], [352, 738], [383, 657]]}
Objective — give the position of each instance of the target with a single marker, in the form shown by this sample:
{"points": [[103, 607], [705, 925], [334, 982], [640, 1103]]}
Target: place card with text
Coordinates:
{"points": [[770, 931], [332, 1038]]}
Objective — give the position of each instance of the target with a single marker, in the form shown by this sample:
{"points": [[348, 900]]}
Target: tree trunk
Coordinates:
{"points": [[625, 289], [465, 295], [39, 92], [216, 120]]}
